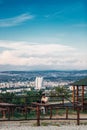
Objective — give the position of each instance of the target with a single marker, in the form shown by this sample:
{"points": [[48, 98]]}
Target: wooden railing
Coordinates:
{"points": [[26, 109]]}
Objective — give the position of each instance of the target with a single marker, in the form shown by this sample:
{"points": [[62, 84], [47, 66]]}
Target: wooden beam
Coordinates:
{"points": [[77, 93], [82, 97], [73, 94]]}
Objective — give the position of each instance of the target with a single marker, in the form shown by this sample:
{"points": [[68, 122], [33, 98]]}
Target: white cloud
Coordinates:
{"points": [[15, 20], [54, 56]]}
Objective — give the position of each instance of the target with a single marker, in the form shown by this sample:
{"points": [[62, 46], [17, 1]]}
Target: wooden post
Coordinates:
{"points": [[73, 96], [82, 97], [4, 114], [50, 112], [77, 93], [78, 115], [38, 115], [12, 111], [66, 112], [9, 113], [25, 112]]}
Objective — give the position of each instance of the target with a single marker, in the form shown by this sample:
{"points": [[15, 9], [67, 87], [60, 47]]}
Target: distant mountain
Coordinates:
{"points": [[49, 75]]}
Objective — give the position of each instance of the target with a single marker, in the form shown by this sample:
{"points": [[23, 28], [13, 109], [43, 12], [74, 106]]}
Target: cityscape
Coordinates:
{"points": [[21, 81], [43, 64]]}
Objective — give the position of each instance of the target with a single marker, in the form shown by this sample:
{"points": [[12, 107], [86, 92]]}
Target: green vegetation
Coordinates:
{"points": [[59, 93], [31, 96], [7, 97]]}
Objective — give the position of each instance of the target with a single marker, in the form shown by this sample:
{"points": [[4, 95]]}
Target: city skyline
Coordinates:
{"points": [[43, 35]]}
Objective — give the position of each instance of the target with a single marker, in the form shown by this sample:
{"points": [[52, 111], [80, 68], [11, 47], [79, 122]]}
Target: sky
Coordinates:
{"points": [[43, 35]]}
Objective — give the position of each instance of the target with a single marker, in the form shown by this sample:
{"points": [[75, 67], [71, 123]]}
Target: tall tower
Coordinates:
{"points": [[38, 83]]}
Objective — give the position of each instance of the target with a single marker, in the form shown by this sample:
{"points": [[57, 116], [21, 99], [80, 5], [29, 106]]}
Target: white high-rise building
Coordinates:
{"points": [[38, 83]]}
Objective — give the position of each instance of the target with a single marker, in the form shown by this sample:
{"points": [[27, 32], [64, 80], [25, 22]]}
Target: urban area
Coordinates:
{"points": [[21, 81]]}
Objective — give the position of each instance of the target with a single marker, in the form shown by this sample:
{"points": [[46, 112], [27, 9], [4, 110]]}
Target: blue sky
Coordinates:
{"points": [[43, 34]]}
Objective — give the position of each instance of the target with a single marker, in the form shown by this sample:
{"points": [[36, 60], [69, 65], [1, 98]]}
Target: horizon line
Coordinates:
{"points": [[38, 70]]}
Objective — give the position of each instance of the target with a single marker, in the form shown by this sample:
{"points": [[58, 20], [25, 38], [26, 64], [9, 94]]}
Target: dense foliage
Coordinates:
{"points": [[30, 97]]}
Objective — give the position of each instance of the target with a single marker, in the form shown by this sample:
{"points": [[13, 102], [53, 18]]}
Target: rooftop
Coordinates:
{"points": [[81, 82]]}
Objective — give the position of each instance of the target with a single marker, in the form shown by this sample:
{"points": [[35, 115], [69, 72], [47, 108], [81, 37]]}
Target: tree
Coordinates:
{"points": [[59, 93], [7, 97]]}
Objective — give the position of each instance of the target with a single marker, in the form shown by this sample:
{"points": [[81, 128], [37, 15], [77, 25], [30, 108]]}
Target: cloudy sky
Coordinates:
{"points": [[43, 35]]}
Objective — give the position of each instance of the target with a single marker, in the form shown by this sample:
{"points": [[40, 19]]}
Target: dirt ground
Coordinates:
{"points": [[46, 122]]}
